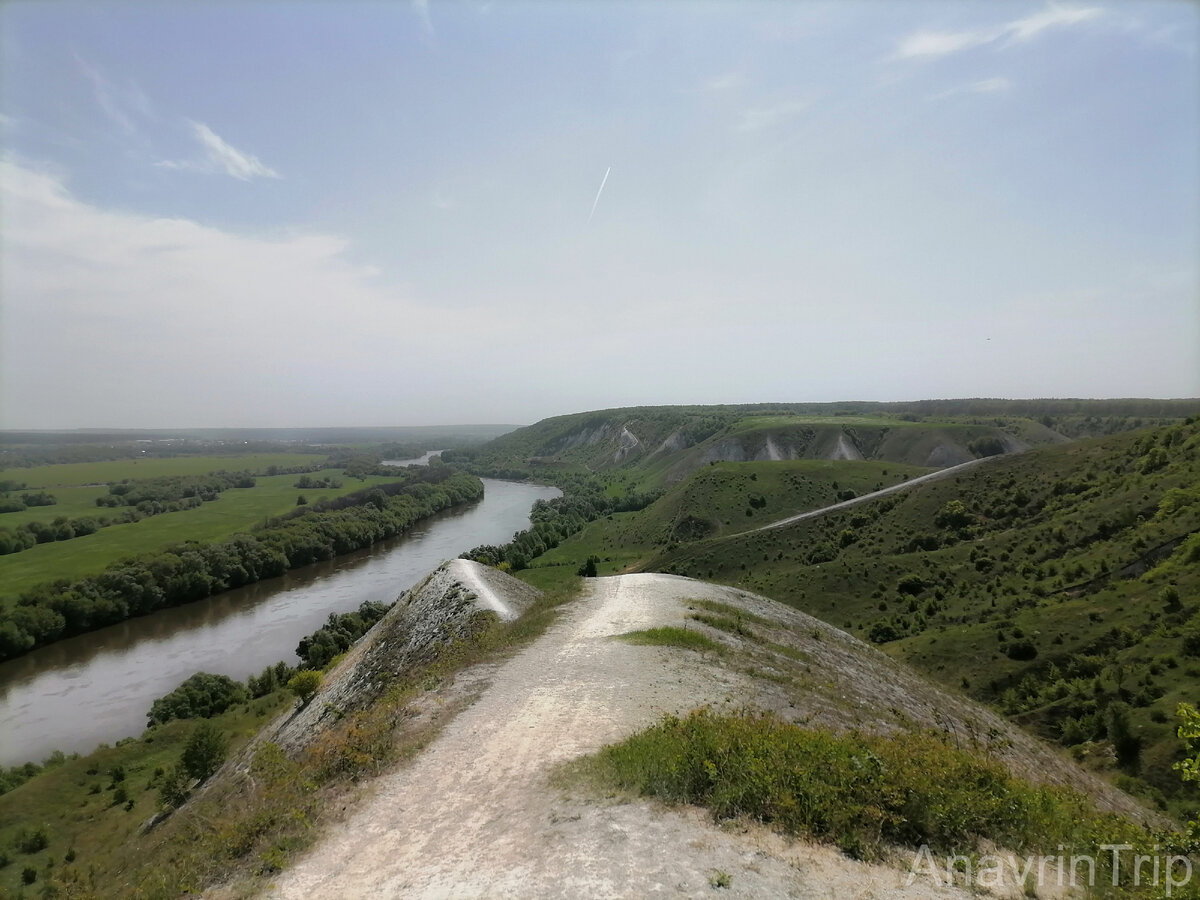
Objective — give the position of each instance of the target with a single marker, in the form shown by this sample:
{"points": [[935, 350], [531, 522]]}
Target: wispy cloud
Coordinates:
{"points": [[220, 156], [925, 44], [759, 117], [934, 44], [1051, 17], [985, 86], [120, 104]]}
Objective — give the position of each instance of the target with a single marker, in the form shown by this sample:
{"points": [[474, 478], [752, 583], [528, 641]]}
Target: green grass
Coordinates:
{"points": [[108, 471], [736, 613], [235, 510], [73, 502], [860, 792], [671, 636], [73, 800]]}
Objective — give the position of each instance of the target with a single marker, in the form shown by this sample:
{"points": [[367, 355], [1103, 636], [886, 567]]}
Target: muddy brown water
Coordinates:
{"points": [[98, 687]]}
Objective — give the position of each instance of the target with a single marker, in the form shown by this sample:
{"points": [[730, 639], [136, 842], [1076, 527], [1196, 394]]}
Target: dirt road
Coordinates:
{"points": [[475, 816]]}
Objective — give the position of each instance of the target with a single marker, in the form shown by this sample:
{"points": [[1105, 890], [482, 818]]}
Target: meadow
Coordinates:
{"points": [[235, 510]]}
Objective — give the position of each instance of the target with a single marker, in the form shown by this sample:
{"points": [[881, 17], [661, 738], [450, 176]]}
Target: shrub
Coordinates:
{"points": [[304, 684], [204, 751], [173, 789], [32, 841], [1021, 650]]}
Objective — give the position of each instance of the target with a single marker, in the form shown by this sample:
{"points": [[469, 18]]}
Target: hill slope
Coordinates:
{"points": [[1062, 585], [475, 814]]}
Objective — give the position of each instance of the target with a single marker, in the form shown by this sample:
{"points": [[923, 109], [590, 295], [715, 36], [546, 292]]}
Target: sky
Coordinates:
{"points": [[386, 213]]}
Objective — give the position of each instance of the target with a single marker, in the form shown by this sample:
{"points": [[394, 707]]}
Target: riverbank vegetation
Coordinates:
{"points": [[181, 573]]}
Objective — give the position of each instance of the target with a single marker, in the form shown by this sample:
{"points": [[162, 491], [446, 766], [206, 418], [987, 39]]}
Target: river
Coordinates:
{"points": [[98, 687]]}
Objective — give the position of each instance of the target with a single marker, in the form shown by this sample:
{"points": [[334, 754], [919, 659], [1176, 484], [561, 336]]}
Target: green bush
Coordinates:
{"points": [[32, 841], [304, 684], [204, 751]]}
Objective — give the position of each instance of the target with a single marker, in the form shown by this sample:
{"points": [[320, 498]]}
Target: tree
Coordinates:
{"points": [[304, 684], [588, 569], [204, 752], [1189, 767]]}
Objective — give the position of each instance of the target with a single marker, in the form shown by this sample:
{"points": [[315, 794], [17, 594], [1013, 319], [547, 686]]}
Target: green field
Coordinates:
{"points": [[236, 509], [120, 469]]}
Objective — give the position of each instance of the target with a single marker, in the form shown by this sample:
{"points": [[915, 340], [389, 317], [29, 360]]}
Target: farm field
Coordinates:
{"points": [[236, 509], [117, 469]]}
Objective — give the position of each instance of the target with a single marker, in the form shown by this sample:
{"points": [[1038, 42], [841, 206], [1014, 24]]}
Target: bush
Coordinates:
{"points": [[1021, 650], [304, 684], [32, 841], [588, 569], [204, 751], [173, 790]]}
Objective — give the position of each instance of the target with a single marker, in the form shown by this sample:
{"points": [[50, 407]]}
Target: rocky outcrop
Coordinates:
{"points": [[454, 601]]}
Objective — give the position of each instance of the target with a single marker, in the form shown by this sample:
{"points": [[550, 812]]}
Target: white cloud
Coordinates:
{"points": [[169, 320], [760, 117], [934, 44], [939, 43], [220, 156], [1051, 17]]}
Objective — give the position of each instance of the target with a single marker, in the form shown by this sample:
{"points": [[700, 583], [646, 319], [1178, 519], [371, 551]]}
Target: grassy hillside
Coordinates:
{"points": [[1062, 585], [721, 498]]}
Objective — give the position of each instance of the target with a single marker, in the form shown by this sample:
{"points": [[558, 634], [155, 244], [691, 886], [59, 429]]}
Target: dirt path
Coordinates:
{"points": [[474, 815], [874, 495]]}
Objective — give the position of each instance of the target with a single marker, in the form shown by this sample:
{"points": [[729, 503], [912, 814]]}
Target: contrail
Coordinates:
{"points": [[603, 181]]}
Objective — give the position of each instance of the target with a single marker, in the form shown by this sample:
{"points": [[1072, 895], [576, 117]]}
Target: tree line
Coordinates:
{"points": [[190, 571], [167, 488], [553, 521]]}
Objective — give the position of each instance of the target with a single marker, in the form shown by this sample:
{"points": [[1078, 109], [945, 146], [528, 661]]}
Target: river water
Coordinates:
{"points": [[98, 687]]}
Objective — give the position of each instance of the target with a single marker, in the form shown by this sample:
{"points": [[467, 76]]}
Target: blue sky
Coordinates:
{"points": [[306, 213]]}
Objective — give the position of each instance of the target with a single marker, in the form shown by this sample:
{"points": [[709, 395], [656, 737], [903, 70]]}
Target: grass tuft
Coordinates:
{"points": [[672, 636]]}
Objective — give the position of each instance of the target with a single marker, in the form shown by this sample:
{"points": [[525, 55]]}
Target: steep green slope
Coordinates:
{"points": [[1062, 585]]}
